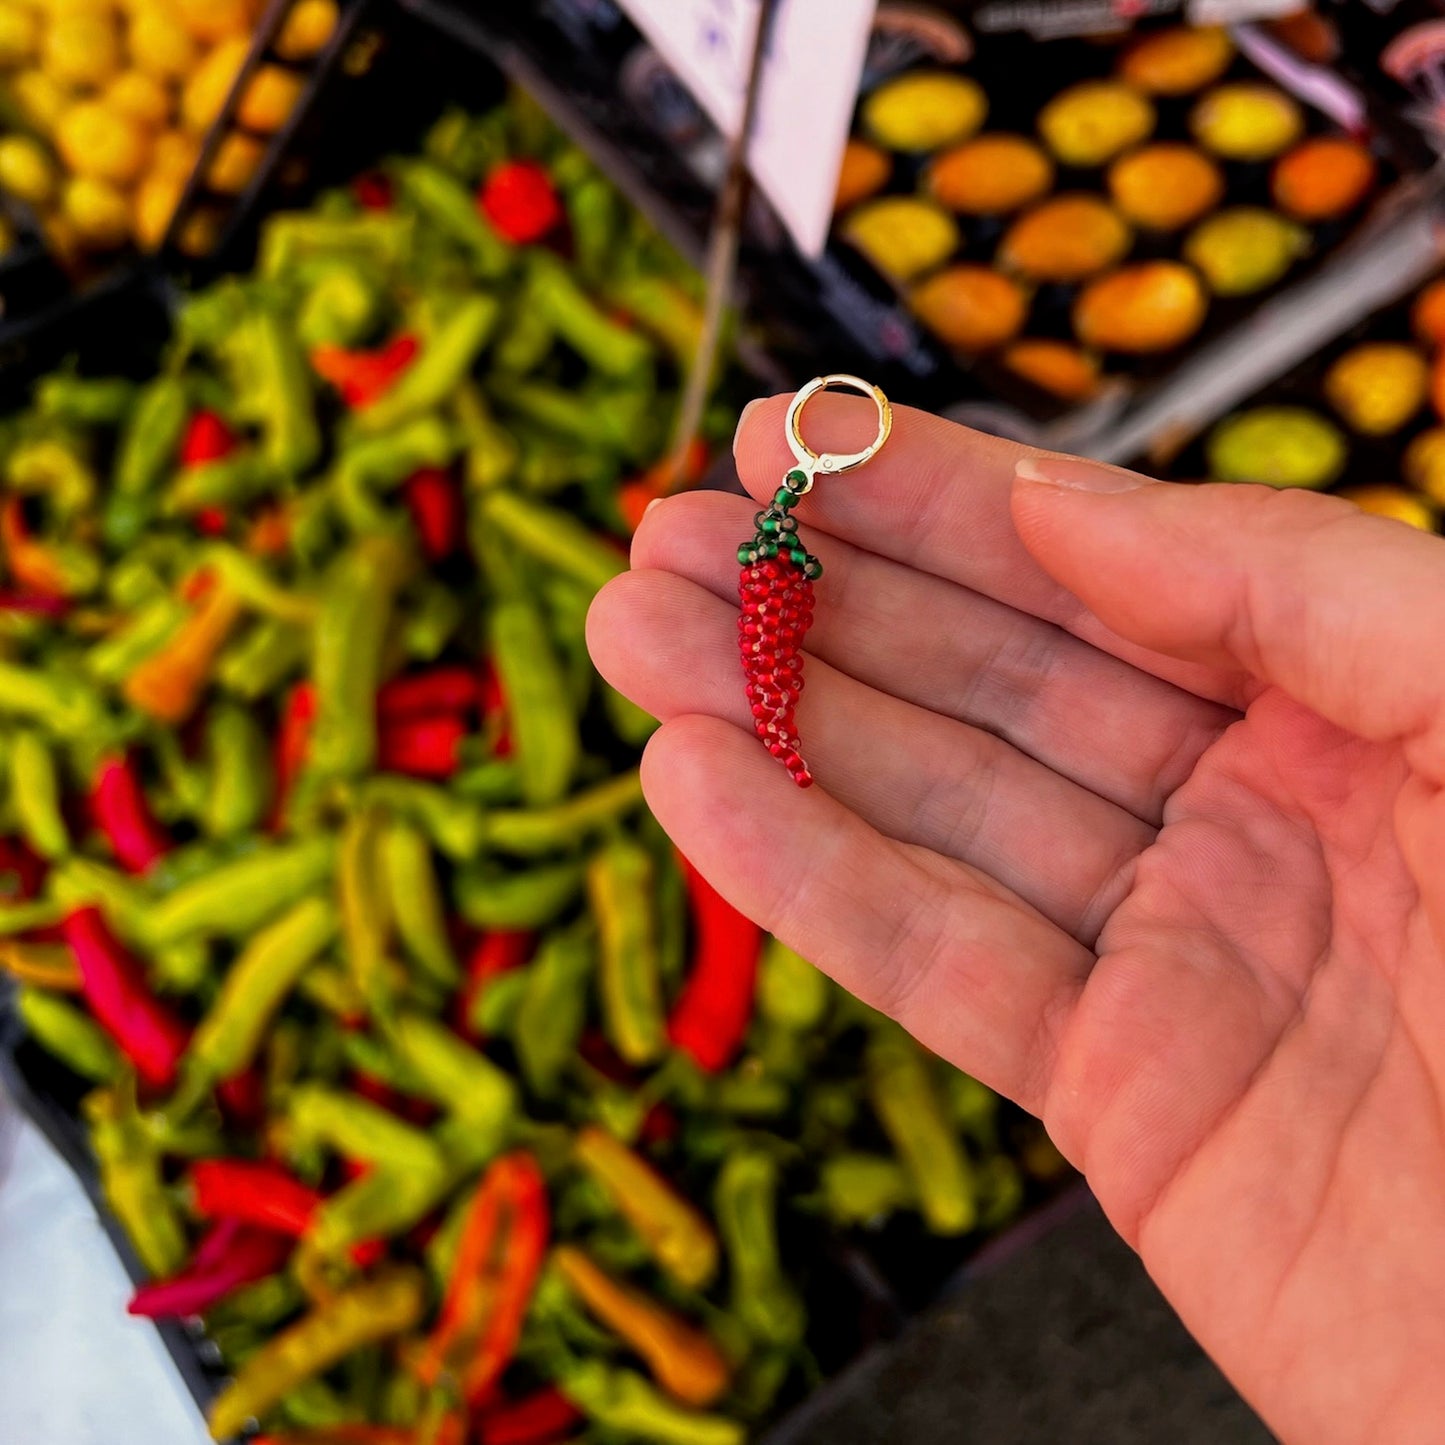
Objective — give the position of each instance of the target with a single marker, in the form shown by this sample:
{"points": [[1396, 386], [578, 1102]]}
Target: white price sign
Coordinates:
{"points": [[809, 84]]}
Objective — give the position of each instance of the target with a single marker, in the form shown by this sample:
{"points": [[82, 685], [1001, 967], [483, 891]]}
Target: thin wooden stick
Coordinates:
{"points": [[720, 270]]}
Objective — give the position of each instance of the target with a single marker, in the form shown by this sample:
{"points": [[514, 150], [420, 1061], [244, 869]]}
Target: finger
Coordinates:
{"points": [[968, 969], [914, 776], [1303, 592], [1123, 734], [937, 498]]}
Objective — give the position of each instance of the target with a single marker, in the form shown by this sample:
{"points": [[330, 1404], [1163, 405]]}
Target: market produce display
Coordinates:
{"points": [[1366, 419], [424, 1072], [1106, 216], [104, 105]]}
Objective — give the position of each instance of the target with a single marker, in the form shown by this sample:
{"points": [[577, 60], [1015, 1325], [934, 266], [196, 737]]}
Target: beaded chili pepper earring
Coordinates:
{"points": [[775, 588]]}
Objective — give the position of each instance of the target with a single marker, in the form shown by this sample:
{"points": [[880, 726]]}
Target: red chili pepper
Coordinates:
{"points": [[342, 1435], [422, 747], [660, 1126], [597, 1052], [435, 502], [29, 561], [114, 986], [495, 954], [712, 1015], [293, 744], [207, 439], [442, 689], [21, 872], [518, 198], [211, 522], [33, 604], [363, 377], [373, 191], [494, 710], [118, 805], [500, 1256], [538, 1419], [263, 1196], [231, 1255]]}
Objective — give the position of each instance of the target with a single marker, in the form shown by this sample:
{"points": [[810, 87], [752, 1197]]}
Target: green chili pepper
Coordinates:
{"points": [[762, 1295], [495, 781], [516, 901], [491, 449], [263, 659], [625, 1402], [385, 458], [55, 470], [60, 703], [379, 1205], [416, 901], [365, 907], [620, 881], [592, 210], [447, 357], [236, 898], [449, 208], [528, 339], [114, 659], [381, 238], [226, 482], [913, 1117], [240, 772], [360, 1130], [494, 1010], [861, 1188], [544, 730], [72, 1036], [181, 968], [77, 882], [454, 825], [553, 1007], [148, 445], [35, 795], [315, 1405], [130, 1180], [183, 783], [456, 1076], [546, 466], [554, 538], [606, 347], [268, 968], [664, 309], [263, 1304], [791, 992], [385, 1305], [348, 640], [285, 403], [368, 1055], [341, 306], [532, 832], [80, 401]]}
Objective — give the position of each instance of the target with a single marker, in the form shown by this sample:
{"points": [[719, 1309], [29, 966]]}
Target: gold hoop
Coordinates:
{"points": [[834, 462]]}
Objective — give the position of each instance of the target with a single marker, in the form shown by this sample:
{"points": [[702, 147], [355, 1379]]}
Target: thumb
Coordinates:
{"points": [[1342, 610]]}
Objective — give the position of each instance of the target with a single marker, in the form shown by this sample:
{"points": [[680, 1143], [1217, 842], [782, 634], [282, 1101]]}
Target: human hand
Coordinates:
{"points": [[1130, 805]]}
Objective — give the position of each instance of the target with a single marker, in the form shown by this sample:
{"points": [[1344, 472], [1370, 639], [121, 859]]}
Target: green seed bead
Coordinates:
{"points": [[799, 556], [812, 569], [768, 550], [796, 481], [784, 498], [747, 554], [768, 526]]}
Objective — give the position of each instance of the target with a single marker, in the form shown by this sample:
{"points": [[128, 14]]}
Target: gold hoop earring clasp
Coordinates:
{"points": [[832, 463]]}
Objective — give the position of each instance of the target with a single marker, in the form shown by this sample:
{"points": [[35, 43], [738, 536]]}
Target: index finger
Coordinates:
{"points": [[937, 498]]}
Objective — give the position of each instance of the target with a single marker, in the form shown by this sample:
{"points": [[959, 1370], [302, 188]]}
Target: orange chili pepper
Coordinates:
{"points": [[168, 684], [503, 1244]]}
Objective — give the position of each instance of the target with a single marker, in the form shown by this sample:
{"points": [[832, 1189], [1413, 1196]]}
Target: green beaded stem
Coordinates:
{"points": [[774, 537]]}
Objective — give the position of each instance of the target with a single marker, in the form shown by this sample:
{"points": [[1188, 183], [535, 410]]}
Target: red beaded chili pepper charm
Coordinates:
{"points": [[775, 588]]}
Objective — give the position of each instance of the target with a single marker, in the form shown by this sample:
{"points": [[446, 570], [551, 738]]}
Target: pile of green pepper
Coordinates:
{"points": [[454, 1102]]}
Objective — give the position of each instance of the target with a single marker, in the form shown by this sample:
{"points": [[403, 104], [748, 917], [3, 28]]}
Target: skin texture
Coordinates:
{"points": [[1128, 803]]}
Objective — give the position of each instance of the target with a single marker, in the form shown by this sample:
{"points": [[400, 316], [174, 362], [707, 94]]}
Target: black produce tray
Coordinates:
{"points": [[1371, 459], [847, 314]]}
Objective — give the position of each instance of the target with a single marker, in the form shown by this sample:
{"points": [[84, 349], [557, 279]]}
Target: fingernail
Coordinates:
{"points": [[655, 502], [1078, 475], [743, 419]]}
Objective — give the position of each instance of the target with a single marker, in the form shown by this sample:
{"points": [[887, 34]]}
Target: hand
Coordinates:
{"points": [[1130, 805]]}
